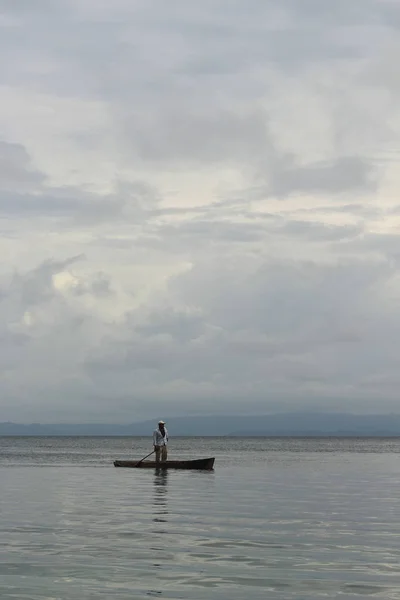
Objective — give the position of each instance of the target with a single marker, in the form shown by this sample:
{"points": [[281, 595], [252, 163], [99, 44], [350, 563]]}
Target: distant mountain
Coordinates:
{"points": [[287, 424]]}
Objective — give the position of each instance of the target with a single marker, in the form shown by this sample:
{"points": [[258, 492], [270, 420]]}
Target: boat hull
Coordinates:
{"points": [[201, 464]]}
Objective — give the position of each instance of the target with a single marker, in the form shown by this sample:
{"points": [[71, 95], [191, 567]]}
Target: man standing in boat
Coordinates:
{"points": [[160, 440]]}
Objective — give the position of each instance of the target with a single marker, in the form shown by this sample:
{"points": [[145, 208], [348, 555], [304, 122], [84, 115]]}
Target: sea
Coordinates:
{"points": [[278, 518]]}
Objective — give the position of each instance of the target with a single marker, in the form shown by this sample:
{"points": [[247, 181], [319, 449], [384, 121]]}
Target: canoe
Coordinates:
{"points": [[201, 464]]}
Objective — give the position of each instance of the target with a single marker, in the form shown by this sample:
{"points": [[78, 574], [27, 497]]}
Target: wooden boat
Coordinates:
{"points": [[201, 464]]}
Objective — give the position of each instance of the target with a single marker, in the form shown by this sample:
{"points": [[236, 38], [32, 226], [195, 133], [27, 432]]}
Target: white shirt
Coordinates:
{"points": [[159, 439]]}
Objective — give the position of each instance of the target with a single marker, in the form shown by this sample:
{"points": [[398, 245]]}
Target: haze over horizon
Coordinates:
{"points": [[199, 208]]}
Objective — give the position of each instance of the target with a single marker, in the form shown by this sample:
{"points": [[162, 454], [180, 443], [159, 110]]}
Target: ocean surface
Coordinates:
{"points": [[278, 518]]}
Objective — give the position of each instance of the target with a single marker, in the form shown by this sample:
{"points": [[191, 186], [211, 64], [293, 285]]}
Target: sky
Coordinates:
{"points": [[199, 208]]}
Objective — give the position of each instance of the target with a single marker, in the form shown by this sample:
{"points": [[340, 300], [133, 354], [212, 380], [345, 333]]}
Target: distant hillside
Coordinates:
{"points": [[289, 424]]}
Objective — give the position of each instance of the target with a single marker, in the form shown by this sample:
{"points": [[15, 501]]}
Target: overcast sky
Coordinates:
{"points": [[199, 207]]}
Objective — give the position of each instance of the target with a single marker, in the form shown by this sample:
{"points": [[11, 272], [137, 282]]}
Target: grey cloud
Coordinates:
{"points": [[23, 192], [42, 332], [138, 357], [341, 13], [24, 6], [43, 203], [270, 297], [282, 323], [199, 119], [201, 233], [78, 207], [181, 325], [216, 230], [196, 136], [211, 137], [384, 245], [16, 170], [112, 56], [215, 305], [361, 210], [37, 285], [134, 200], [231, 322], [99, 287], [336, 177], [319, 232]]}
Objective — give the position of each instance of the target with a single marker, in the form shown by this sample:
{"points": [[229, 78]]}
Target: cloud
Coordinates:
{"points": [[342, 176], [24, 192], [198, 207], [195, 136], [271, 330], [16, 171]]}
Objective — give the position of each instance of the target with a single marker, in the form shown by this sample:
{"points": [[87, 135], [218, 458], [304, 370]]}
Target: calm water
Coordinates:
{"points": [[277, 518]]}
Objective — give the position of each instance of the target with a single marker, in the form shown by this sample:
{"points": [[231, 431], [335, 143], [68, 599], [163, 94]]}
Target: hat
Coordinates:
{"points": [[161, 423]]}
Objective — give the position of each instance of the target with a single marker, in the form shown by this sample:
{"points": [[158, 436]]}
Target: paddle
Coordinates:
{"points": [[152, 452]]}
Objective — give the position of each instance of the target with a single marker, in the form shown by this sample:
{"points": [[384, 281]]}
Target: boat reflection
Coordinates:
{"points": [[160, 511], [160, 495]]}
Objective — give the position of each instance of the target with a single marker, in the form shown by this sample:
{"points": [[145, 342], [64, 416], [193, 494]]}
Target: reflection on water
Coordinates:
{"points": [[160, 512], [160, 501]]}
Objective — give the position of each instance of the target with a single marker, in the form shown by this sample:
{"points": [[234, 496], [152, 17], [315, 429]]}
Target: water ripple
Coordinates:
{"points": [[289, 524]]}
